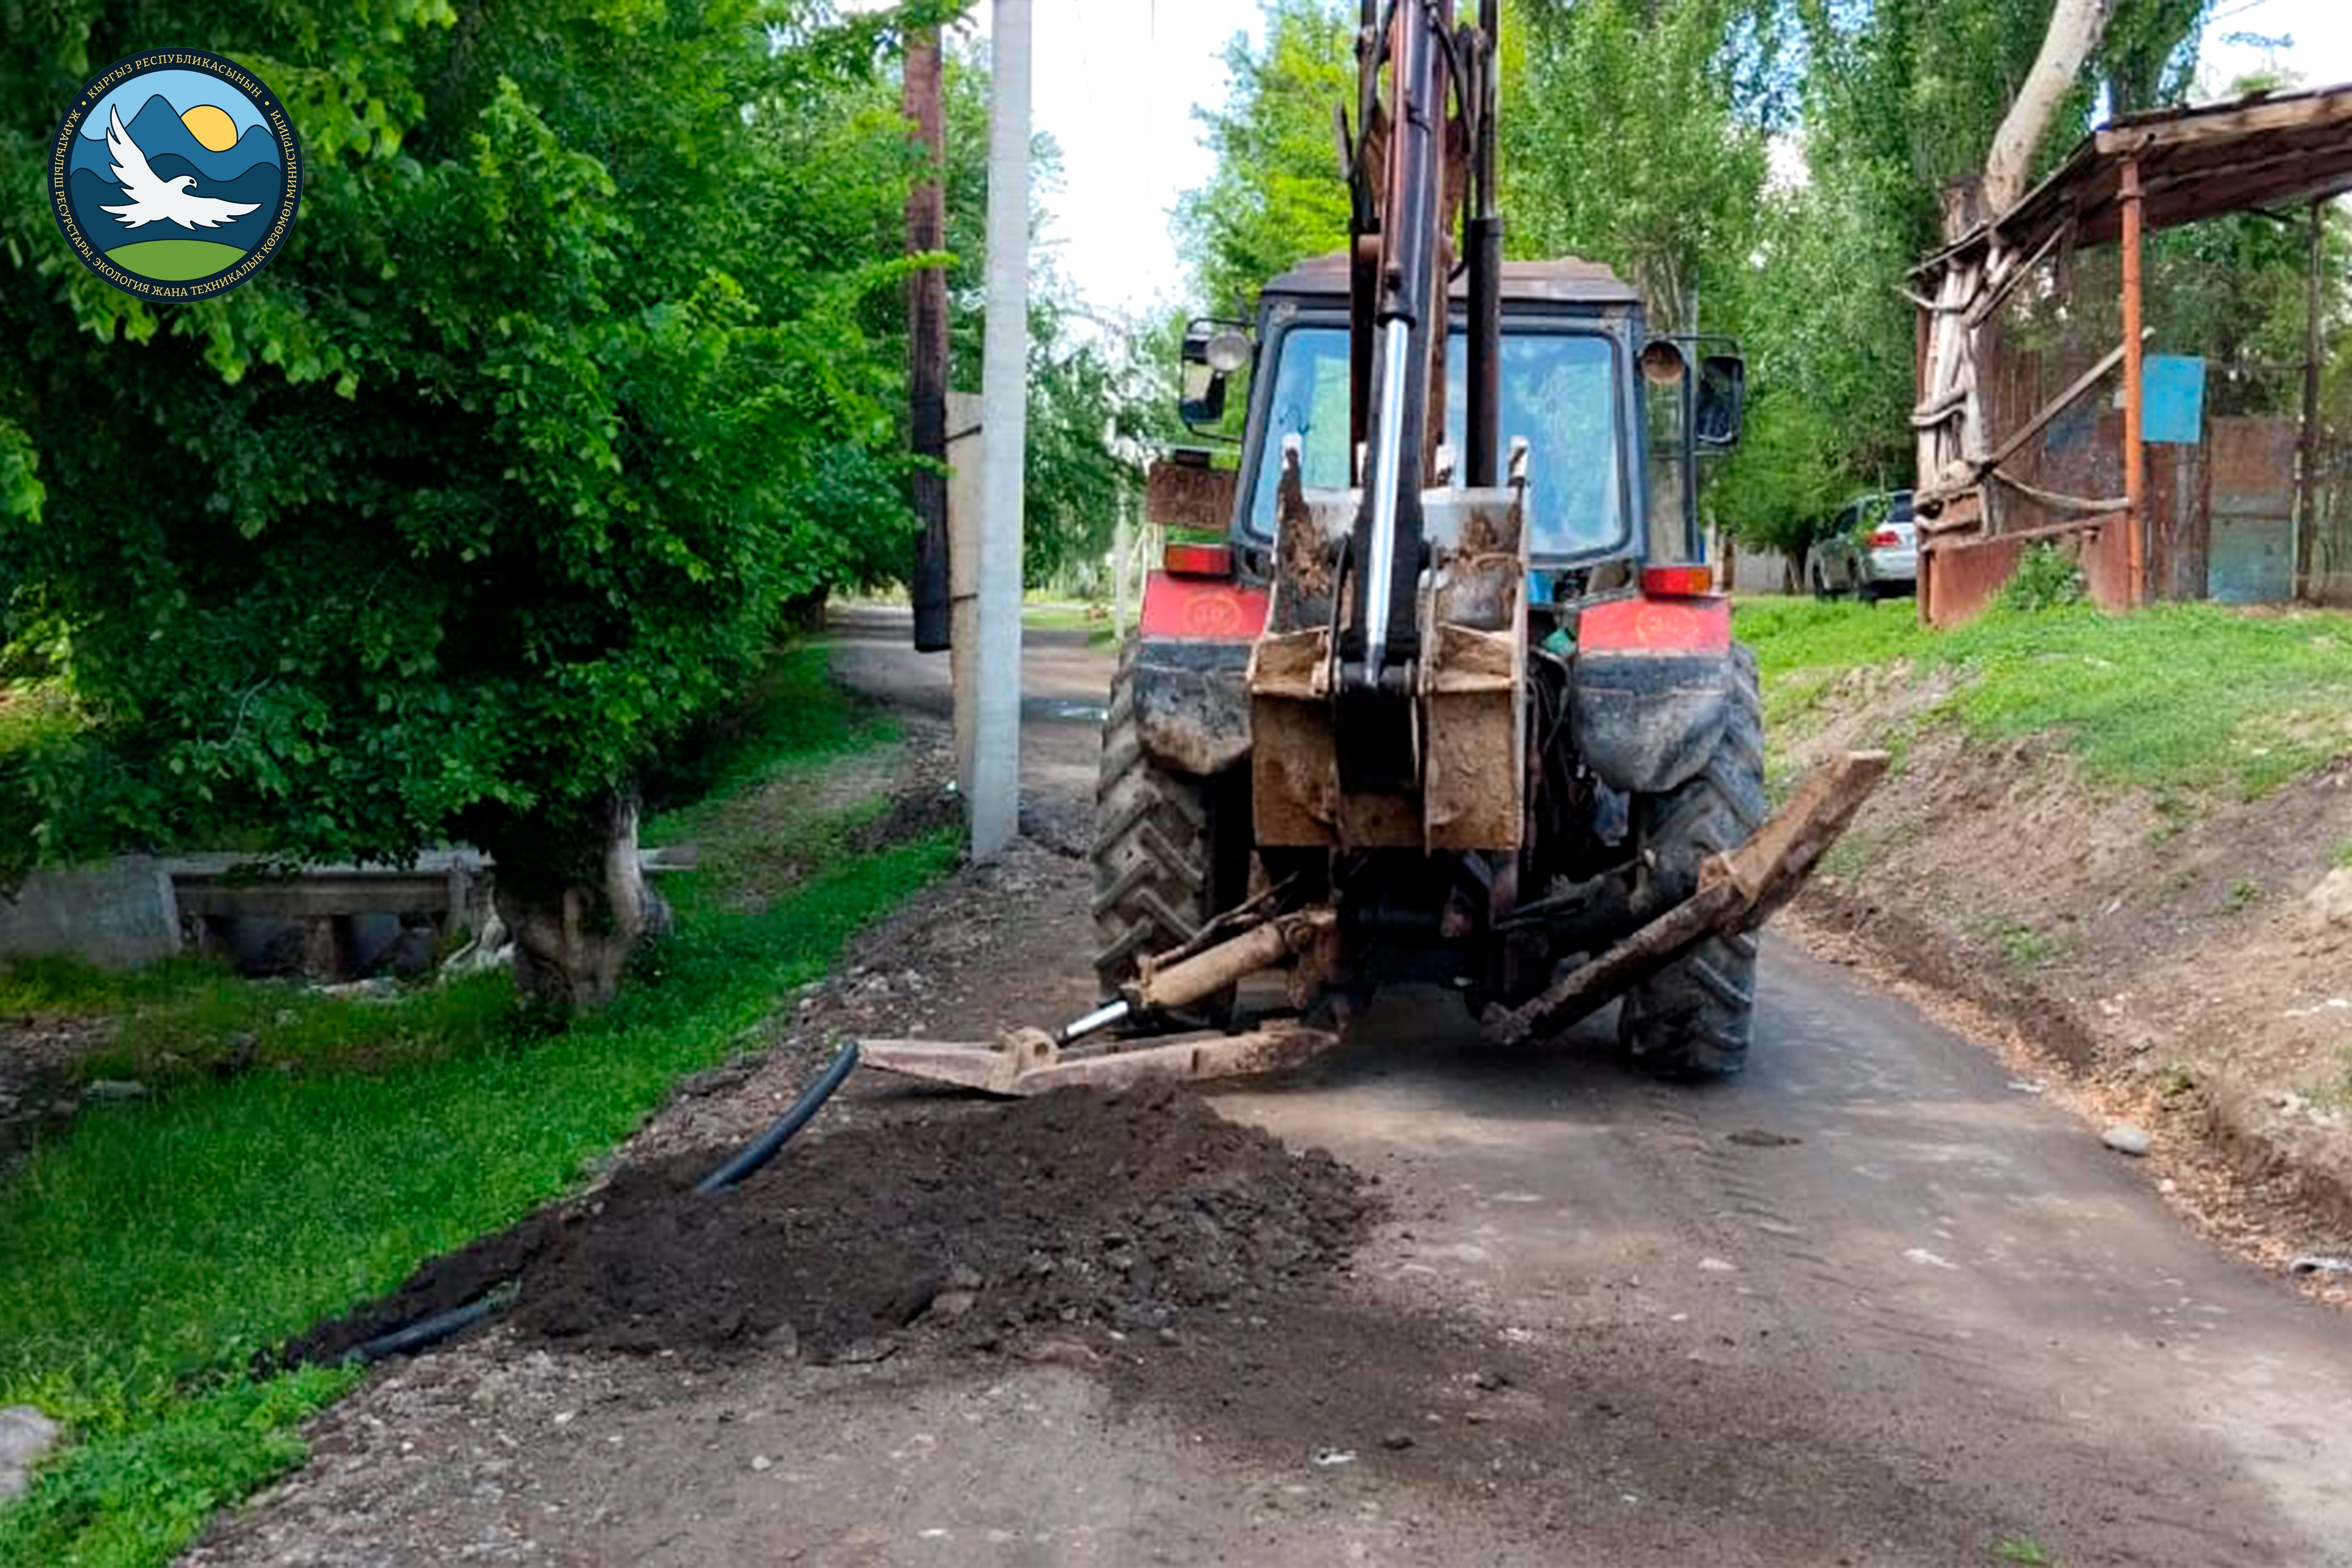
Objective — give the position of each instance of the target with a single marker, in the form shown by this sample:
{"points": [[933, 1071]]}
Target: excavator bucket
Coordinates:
{"points": [[1029, 1061]]}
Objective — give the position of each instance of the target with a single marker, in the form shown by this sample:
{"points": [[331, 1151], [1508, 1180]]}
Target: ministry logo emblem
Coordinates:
{"points": [[175, 174]]}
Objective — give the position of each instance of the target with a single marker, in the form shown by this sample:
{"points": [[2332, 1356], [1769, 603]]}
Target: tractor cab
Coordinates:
{"points": [[1614, 421]]}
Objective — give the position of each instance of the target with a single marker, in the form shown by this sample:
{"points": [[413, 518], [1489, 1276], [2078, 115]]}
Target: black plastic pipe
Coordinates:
{"points": [[763, 1149], [428, 1331]]}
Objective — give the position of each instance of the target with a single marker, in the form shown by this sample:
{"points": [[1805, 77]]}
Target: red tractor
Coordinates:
{"points": [[1447, 695]]}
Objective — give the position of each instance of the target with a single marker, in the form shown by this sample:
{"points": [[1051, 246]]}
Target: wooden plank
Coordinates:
{"points": [[1953, 510], [2226, 122], [1993, 298], [1937, 546], [1952, 402], [313, 898], [1737, 892], [2307, 132], [2057, 406]]}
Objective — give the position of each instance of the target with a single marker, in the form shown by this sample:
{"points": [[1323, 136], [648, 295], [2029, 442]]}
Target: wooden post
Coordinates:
{"points": [[2306, 491], [2135, 450], [926, 341]]}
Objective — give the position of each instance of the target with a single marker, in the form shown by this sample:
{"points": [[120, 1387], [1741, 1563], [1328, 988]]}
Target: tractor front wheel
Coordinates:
{"points": [[1693, 1018], [1163, 868]]}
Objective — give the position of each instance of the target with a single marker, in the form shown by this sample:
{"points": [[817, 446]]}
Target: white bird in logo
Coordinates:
{"points": [[153, 200]]}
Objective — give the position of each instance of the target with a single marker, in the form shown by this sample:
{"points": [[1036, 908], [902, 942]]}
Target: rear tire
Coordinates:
{"points": [[1158, 880], [1694, 1018]]}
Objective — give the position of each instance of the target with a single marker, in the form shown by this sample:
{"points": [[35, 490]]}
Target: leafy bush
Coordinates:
{"points": [[2046, 576]]}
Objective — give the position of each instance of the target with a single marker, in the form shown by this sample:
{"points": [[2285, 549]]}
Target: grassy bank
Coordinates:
{"points": [[1092, 619], [2183, 700], [147, 1255]]}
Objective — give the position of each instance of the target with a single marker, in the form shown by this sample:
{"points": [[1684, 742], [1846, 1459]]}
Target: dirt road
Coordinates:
{"points": [[1870, 1305]]}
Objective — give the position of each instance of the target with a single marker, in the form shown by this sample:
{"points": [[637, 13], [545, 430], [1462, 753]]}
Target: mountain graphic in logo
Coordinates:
{"points": [[175, 174]]}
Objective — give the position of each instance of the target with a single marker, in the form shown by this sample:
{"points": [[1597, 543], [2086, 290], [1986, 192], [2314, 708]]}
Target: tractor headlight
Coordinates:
{"points": [[1228, 350]]}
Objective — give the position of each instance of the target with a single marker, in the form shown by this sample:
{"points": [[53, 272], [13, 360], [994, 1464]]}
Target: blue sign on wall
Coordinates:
{"points": [[2172, 402]]}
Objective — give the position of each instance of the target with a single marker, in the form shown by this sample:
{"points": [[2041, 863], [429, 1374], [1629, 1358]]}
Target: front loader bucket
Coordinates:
{"points": [[1468, 704]]}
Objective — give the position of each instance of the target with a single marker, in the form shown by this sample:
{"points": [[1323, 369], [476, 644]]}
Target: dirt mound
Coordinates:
{"points": [[1078, 1209]]}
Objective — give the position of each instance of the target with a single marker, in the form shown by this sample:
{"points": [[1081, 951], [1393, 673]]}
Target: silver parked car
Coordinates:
{"points": [[1872, 550]]}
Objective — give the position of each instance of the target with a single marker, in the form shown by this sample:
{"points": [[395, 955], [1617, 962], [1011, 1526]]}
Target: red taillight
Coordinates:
{"points": [[1677, 581], [1199, 560], [1886, 538]]}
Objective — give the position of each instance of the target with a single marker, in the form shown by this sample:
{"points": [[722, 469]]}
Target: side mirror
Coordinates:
{"points": [[1203, 402], [1721, 396], [1213, 351]]}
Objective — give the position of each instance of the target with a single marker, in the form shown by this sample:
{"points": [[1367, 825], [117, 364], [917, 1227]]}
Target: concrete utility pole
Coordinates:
{"points": [[994, 808], [1119, 541], [963, 579], [2306, 487]]}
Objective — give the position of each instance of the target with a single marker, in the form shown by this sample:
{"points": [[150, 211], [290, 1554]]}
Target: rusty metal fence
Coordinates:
{"points": [[2227, 516]]}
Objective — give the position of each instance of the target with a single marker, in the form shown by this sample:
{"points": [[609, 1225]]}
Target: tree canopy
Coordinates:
{"points": [[1756, 168], [571, 377]]}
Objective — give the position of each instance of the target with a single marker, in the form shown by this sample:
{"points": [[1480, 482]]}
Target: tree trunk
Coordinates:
{"points": [[1953, 447], [2076, 28], [577, 914]]}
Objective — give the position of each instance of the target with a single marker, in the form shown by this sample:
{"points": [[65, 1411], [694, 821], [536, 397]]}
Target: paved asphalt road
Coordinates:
{"points": [[1867, 1306], [1940, 1302]]}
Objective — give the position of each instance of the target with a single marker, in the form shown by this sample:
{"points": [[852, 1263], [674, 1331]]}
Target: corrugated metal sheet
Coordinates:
{"points": [[2250, 549]]}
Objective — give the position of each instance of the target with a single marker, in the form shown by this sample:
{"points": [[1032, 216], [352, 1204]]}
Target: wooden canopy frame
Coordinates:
{"points": [[2152, 171]]}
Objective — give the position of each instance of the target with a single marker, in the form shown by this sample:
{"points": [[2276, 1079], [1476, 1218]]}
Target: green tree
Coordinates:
{"points": [[1276, 194], [1095, 406], [1636, 135], [1899, 101], [502, 471]]}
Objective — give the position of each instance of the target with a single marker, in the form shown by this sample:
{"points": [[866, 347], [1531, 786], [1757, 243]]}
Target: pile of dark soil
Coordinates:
{"points": [[1078, 1208]]}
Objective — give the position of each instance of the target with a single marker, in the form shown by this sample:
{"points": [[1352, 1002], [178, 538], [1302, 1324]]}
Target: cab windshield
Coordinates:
{"points": [[1559, 395]]}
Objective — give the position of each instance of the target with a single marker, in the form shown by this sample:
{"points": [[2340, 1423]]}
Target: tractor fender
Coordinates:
{"points": [[1189, 684], [1651, 690], [1191, 704]]}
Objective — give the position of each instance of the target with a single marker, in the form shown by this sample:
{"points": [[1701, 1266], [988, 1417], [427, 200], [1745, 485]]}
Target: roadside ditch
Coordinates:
{"points": [[2174, 964]]}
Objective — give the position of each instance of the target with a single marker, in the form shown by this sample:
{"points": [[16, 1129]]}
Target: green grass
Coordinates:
{"points": [[2342, 855], [33, 713], [185, 1018], [1092, 619], [175, 260], [148, 1254], [2198, 699], [2020, 1549], [2025, 950]]}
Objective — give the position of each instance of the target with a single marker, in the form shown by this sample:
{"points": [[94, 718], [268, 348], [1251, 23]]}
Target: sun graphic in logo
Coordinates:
{"points": [[211, 126], [175, 174]]}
